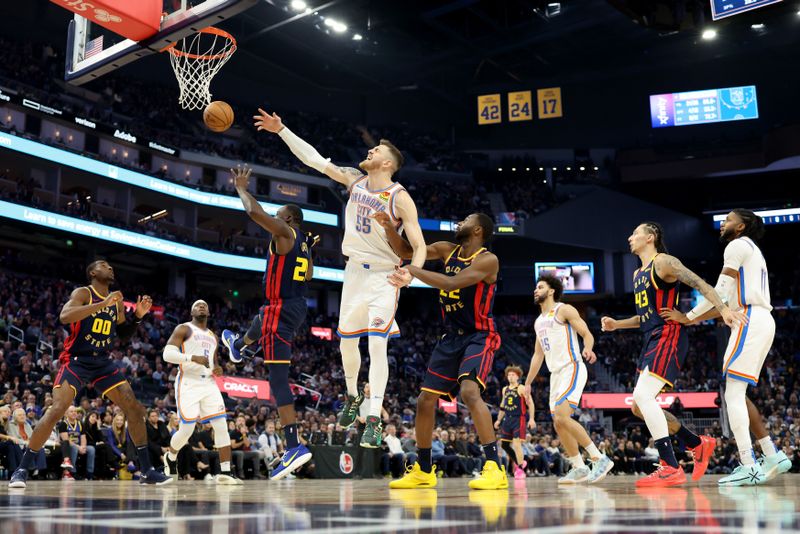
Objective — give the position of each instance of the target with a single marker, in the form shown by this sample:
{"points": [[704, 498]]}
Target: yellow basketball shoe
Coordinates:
{"points": [[492, 478], [416, 478]]}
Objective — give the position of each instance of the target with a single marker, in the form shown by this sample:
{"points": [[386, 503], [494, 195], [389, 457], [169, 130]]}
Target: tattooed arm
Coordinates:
{"points": [[669, 268]]}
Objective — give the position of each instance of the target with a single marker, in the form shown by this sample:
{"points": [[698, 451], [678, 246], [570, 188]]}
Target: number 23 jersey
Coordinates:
{"points": [[285, 277]]}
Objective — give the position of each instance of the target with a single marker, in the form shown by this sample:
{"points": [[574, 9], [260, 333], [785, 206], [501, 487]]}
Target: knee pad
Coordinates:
{"points": [[221, 436], [279, 384]]}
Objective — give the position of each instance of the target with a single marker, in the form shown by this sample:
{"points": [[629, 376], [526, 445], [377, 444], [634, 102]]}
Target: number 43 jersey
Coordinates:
{"points": [[285, 277], [652, 294], [365, 240]]}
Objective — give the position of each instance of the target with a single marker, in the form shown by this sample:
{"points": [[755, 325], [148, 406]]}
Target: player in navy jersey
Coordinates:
{"points": [[289, 268], [656, 285], [516, 409], [463, 358], [96, 317]]}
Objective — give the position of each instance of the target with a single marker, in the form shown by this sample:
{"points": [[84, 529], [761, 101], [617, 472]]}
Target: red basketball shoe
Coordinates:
{"points": [[702, 454], [664, 476]]}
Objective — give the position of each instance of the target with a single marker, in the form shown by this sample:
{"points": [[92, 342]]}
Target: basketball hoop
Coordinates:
{"points": [[196, 59]]}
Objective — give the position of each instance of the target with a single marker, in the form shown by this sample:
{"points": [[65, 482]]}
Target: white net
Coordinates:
{"points": [[196, 59]]}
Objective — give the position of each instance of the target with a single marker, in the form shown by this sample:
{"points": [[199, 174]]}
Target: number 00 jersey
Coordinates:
{"points": [[365, 240], [468, 308], [285, 277], [94, 335], [652, 294]]}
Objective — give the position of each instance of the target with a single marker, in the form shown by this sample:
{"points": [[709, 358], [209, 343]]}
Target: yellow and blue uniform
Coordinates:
{"points": [[467, 348], [665, 342], [285, 306], [85, 358], [515, 419]]}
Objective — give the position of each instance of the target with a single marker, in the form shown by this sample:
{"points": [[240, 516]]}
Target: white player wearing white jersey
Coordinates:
{"points": [[744, 285], [368, 300], [557, 330], [193, 347]]}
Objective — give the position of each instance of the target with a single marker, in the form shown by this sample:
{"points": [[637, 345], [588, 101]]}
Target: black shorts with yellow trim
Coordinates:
{"points": [[664, 352], [99, 372], [280, 321], [513, 427], [458, 356]]}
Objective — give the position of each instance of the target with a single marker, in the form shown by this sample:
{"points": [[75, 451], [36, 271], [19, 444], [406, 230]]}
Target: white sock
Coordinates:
{"points": [[576, 461], [378, 372], [225, 467], [767, 447], [594, 453], [172, 457], [747, 456], [351, 362]]}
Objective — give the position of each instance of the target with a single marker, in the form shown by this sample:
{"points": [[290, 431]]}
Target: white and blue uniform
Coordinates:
{"points": [[196, 392], [749, 343], [562, 356], [368, 302]]}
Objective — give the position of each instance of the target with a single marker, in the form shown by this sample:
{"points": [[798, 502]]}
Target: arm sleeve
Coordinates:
{"points": [[303, 151], [173, 355], [724, 289]]}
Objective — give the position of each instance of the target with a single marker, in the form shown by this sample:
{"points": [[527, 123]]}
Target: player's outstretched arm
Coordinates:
{"points": [[79, 305], [671, 267], [485, 266], [609, 324], [303, 150], [277, 227], [570, 314], [435, 251]]}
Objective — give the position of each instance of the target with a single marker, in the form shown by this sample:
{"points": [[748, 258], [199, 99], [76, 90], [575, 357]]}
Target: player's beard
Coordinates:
{"points": [[201, 318], [367, 165], [538, 299], [462, 234], [727, 236]]}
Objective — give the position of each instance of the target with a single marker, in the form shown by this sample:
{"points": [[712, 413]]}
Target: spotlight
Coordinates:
{"points": [[298, 5], [499, 169], [335, 25], [709, 35], [569, 168], [527, 168], [357, 37], [597, 168], [583, 168], [541, 168], [757, 27], [513, 169], [555, 168]]}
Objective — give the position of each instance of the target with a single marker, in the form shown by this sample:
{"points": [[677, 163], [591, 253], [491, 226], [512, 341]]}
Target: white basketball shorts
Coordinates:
{"points": [[749, 345], [369, 302], [199, 400], [566, 385]]}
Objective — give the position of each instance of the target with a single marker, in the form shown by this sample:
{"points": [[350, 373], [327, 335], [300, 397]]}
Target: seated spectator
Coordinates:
{"points": [[20, 430], [73, 443], [393, 460]]}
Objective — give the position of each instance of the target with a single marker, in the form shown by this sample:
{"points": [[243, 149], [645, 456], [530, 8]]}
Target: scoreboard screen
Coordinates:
{"points": [[577, 277], [704, 107], [726, 8]]}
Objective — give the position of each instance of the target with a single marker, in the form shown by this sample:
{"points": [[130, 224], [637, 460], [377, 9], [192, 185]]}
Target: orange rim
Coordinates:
{"points": [[212, 30]]}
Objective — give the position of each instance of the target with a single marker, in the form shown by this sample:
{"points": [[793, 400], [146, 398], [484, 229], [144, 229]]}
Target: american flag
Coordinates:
{"points": [[93, 47]]}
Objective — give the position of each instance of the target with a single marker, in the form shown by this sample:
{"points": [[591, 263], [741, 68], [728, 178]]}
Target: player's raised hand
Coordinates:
{"points": [[143, 305], [607, 324], [311, 240], [113, 298], [400, 277], [733, 318], [241, 177], [383, 219], [589, 355], [673, 315], [265, 121]]}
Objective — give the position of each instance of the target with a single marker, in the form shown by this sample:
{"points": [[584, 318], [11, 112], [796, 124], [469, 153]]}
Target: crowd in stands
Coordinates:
{"points": [[92, 439]]}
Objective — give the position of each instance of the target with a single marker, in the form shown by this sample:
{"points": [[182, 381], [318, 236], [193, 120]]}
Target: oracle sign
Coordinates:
{"points": [[625, 400], [243, 387]]}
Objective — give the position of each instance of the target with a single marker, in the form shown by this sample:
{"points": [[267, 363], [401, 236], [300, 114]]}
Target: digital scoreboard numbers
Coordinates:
{"points": [[489, 109], [727, 8], [519, 106], [703, 107]]}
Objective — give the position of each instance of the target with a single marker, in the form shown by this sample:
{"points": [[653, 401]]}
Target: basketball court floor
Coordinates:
{"points": [[361, 506]]}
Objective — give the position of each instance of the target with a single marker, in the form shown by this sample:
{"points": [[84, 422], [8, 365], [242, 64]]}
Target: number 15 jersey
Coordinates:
{"points": [[285, 277], [365, 240]]}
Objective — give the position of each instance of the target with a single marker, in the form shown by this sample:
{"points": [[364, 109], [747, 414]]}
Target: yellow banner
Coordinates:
{"points": [[549, 103], [519, 106], [489, 109]]}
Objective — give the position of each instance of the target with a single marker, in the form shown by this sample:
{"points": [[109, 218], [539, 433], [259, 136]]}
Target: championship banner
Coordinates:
{"points": [[489, 109], [519, 106], [549, 103], [624, 401], [243, 388]]}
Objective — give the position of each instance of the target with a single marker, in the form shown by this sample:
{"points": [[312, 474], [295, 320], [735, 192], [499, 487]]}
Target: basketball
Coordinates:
{"points": [[218, 116]]}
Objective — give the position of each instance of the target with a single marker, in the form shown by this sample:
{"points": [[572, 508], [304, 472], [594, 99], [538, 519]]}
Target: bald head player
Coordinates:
{"points": [[193, 347]]}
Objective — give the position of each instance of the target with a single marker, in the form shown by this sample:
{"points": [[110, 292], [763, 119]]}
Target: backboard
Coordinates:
{"points": [[93, 50]]}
